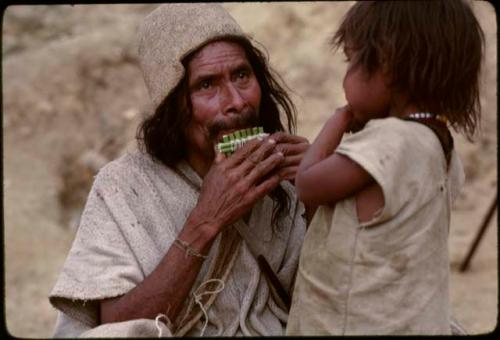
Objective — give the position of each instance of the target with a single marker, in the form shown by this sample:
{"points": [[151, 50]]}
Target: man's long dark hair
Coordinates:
{"points": [[162, 134]]}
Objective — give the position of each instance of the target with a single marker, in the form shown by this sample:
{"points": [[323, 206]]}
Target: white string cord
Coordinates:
{"points": [[158, 327], [198, 296]]}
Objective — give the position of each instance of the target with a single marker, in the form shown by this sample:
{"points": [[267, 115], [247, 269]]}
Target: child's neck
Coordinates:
{"points": [[400, 108], [404, 113]]}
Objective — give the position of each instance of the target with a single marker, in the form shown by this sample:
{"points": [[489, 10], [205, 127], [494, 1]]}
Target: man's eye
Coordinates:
{"points": [[242, 76], [205, 84]]}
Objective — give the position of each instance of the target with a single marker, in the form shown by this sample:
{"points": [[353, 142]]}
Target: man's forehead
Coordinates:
{"points": [[218, 53]]}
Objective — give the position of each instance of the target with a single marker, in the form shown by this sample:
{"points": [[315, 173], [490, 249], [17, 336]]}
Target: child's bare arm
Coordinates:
{"points": [[324, 177]]}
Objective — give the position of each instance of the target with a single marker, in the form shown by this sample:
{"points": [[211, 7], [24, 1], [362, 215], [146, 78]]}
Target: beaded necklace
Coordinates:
{"points": [[427, 115], [438, 124]]}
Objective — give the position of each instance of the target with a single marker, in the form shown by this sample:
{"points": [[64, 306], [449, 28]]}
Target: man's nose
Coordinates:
{"points": [[231, 99]]}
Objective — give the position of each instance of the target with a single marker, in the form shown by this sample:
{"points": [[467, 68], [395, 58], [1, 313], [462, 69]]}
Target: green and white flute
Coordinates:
{"points": [[233, 141]]}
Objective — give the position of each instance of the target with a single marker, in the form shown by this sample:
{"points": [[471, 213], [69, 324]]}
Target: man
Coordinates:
{"points": [[177, 239]]}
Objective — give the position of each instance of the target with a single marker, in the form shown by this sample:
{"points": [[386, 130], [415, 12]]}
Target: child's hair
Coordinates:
{"points": [[432, 51]]}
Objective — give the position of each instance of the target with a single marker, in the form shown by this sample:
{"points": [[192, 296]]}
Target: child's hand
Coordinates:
{"points": [[343, 118], [348, 118]]}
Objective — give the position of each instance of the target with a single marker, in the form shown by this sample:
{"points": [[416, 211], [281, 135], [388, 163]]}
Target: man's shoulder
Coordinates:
{"points": [[124, 162], [126, 166]]}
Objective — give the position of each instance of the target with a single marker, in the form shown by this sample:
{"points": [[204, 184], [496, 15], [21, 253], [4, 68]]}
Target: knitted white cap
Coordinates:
{"points": [[171, 32]]}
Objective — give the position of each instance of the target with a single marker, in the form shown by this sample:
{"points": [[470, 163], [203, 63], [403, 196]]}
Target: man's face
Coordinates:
{"points": [[225, 96]]}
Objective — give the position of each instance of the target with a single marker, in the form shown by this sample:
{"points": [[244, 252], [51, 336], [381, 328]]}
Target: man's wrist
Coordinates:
{"points": [[200, 234]]}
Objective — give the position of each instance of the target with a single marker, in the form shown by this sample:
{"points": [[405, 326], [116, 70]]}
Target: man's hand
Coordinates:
{"points": [[233, 184], [293, 148]]}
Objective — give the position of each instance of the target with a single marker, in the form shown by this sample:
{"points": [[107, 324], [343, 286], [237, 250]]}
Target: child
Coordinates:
{"points": [[375, 258]]}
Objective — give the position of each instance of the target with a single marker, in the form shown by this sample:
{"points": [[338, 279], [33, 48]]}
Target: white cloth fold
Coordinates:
{"points": [[133, 214]]}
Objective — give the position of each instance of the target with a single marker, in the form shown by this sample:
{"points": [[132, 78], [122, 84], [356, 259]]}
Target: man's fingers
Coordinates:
{"points": [[264, 188], [253, 159], [219, 156], [263, 151], [264, 167], [292, 160], [288, 172], [290, 144], [292, 149], [283, 137], [241, 154]]}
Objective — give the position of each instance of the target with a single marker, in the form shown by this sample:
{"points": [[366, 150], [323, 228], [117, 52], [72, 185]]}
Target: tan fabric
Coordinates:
{"points": [[133, 214], [389, 275], [171, 32], [67, 327]]}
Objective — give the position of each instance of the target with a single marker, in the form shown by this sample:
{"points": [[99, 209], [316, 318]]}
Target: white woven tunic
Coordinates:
{"points": [[389, 275], [133, 214]]}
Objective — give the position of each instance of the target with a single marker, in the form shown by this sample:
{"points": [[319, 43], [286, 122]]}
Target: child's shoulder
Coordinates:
{"points": [[396, 129], [390, 123], [393, 135]]}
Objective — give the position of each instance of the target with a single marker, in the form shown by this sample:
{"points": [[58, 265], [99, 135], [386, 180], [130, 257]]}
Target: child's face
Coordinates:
{"points": [[368, 96]]}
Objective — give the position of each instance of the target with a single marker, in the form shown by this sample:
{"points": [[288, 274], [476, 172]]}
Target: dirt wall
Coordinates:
{"points": [[73, 96]]}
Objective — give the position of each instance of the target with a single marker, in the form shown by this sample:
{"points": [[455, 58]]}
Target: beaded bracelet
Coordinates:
{"points": [[188, 249]]}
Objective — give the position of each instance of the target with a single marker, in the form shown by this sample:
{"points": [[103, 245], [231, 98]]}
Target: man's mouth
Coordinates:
{"points": [[247, 118]]}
